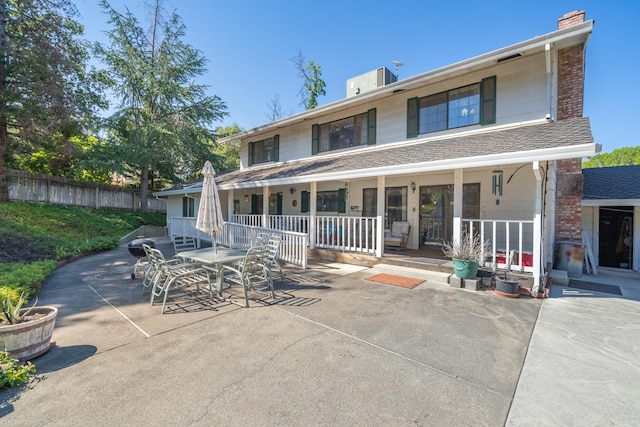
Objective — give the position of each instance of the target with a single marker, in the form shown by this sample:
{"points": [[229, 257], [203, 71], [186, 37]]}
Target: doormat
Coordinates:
{"points": [[596, 287], [390, 279]]}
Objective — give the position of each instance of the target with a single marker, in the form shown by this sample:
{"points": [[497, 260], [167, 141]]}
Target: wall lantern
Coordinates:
{"points": [[292, 190], [246, 198], [413, 187]]}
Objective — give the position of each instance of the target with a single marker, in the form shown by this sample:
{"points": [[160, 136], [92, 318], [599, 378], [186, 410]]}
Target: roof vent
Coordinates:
{"points": [[506, 58]]}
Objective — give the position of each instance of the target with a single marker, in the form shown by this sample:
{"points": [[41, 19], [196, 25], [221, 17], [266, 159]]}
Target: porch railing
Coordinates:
{"points": [[343, 233], [511, 242], [293, 248], [346, 233]]}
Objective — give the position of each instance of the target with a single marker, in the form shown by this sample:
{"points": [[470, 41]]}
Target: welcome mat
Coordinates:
{"points": [[390, 279], [596, 287]]}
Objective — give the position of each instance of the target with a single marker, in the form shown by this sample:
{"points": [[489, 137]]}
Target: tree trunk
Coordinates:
{"points": [[4, 136], [144, 189]]}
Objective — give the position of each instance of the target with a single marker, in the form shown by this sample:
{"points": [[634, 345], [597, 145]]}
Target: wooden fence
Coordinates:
{"points": [[29, 187]]}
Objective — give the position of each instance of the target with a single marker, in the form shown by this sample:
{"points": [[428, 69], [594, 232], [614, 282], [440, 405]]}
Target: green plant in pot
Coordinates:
{"points": [[25, 333], [466, 254]]}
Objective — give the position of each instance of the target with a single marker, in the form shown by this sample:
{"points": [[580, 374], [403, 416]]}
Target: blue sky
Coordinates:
{"points": [[250, 44]]}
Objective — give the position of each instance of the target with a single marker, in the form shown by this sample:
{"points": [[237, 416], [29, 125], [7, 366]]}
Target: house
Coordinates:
{"points": [[611, 215], [492, 144]]}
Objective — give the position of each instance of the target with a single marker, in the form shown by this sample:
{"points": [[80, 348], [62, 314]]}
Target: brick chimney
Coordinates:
{"points": [[569, 188]]}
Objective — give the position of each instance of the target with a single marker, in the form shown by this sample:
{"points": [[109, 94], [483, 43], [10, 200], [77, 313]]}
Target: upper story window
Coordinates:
{"points": [[266, 150], [469, 105], [344, 133]]}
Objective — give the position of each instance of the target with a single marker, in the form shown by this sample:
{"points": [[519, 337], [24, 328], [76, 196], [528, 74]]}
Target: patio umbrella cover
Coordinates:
{"points": [[210, 218]]}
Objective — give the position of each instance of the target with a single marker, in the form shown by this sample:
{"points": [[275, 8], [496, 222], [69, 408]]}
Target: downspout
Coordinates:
{"points": [[549, 69]]}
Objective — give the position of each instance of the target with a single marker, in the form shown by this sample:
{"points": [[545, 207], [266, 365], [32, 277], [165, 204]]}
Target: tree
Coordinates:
{"points": [[47, 94], [275, 109], [162, 126], [624, 156], [312, 83], [228, 153]]}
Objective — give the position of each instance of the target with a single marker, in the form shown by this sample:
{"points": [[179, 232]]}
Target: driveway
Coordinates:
{"points": [[332, 349]]}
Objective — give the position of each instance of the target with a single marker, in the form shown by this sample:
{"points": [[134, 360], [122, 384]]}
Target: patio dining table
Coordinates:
{"points": [[214, 259]]}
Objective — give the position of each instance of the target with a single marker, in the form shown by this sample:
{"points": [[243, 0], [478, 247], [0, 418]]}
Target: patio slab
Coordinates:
{"points": [[333, 348]]}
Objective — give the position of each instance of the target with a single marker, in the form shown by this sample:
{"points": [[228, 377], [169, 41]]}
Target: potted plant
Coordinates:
{"points": [[26, 332], [466, 254]]}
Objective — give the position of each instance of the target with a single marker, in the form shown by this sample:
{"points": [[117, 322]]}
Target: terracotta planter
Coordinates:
{"points": [[465, 268], [28, 340]]}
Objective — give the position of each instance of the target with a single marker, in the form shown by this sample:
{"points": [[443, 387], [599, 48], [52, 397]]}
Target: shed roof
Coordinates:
{"points": [[612, 183]]}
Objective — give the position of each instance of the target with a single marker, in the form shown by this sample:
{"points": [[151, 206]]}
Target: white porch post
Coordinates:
{"points": [[229, 204], [266, 193], [313, 191], [457, 204], [537, 229], [380, 217]]}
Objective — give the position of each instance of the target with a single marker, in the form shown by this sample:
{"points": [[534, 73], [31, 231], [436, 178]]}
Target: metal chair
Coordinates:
{"points": [[272, 259], [170, 276], [253, 274], [156, 259], [183, 243]]}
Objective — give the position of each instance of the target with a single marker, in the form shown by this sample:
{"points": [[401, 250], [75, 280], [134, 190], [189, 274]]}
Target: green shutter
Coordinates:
{"points": [[412, 117], [371, 126], [342, 200], [488, 101], [304, 201], [314, 139], [276, 148], [250, 153], [279, 204], [254, 204]]}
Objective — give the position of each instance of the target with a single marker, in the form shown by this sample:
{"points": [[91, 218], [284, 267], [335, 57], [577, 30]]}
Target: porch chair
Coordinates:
{"points": [[262, 239], [398, 235], [253, 274]]}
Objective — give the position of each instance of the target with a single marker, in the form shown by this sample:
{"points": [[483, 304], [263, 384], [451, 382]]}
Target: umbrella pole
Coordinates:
{"points": [[213, 239]]}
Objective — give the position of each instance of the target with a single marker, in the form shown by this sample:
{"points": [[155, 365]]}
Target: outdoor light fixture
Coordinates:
{"points": [[246, 198], [413, 187], [292, 190]]}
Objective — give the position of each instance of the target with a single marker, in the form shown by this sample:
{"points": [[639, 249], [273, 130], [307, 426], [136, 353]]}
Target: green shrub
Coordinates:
{"points": [[13, 373]]}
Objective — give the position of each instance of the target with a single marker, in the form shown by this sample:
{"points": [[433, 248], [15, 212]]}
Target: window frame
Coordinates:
{"points": [[364, 133], [275, 150]]}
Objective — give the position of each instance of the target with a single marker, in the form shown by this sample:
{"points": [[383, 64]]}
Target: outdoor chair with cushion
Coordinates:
{"points": [[398, 235], [253, 274]]}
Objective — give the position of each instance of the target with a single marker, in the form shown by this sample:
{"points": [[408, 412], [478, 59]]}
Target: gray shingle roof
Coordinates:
{"points": [[564, 133], [613, 183]]}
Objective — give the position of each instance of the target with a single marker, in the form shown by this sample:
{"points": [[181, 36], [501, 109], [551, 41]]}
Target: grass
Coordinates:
{"points": [[34, 237]]}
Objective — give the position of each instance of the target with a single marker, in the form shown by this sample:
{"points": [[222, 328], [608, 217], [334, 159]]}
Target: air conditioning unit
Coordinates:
{"points": [[369, 81]]}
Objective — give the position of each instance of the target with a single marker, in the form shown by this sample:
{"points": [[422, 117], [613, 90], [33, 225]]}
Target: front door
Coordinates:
{"points": [[436, 211]]}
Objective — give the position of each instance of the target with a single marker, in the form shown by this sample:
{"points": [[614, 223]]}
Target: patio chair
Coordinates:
{"points": [[183, 243], [272, 259], [398, 236], [261, 239], [253, 274], [153, 268], [171, 276]]}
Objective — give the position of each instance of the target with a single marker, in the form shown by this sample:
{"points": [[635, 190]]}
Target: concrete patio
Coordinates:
{"points": [[332, 349]]}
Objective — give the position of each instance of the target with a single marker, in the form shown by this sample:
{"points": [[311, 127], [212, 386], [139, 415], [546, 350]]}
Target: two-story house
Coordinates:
{"points": [[492, 144]]}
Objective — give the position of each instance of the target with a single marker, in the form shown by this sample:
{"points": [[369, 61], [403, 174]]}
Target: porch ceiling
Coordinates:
{"points": [[541, 141]]}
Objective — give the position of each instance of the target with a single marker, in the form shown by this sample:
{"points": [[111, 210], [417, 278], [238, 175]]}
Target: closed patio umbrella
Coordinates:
{"points": [[210, 218]]}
